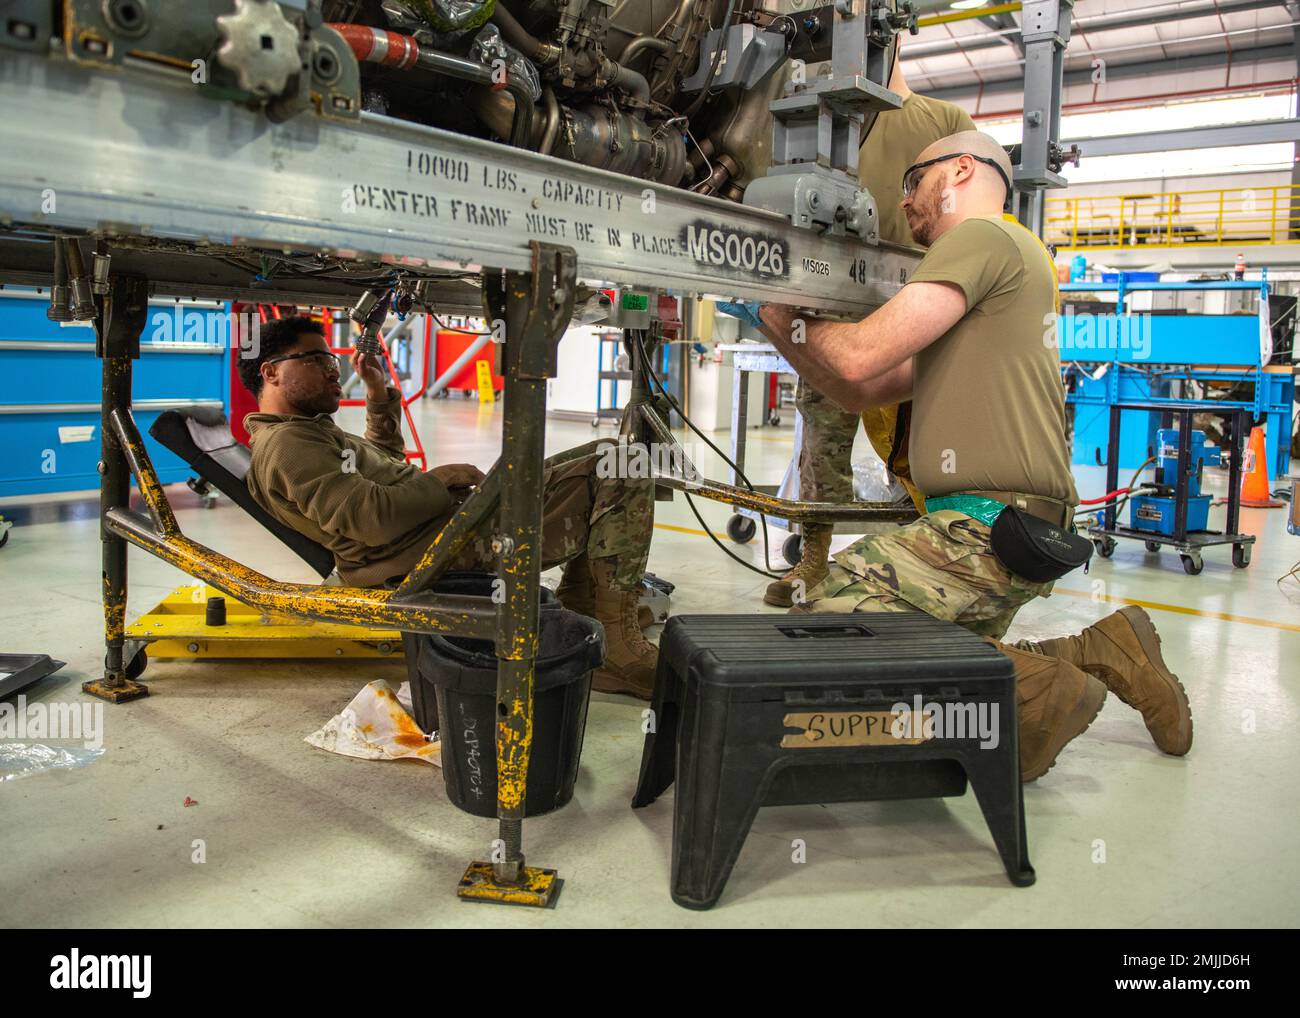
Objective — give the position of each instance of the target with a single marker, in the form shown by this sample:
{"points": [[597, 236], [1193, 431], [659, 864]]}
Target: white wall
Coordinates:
{"points": [[573, 389]]}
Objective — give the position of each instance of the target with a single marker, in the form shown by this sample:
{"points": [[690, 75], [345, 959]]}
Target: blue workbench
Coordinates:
{"points": [[1138, 357]]}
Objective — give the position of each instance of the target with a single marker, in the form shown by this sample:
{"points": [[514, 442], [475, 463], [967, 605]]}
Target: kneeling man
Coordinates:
{"points": [[964, 340]]}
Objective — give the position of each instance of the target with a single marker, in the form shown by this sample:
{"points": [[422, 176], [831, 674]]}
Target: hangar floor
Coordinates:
{"points": [[299, 837]]}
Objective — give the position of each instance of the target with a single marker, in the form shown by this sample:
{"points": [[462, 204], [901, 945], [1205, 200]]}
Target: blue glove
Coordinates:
{"points": [[743, 310]]}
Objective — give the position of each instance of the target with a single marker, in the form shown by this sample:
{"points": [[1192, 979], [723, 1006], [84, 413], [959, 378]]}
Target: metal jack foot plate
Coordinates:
{"points": [[128, 690], [538, 888]]}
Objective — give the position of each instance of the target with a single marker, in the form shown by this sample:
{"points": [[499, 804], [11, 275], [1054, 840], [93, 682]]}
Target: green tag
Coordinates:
{"points": [[636, 302]]}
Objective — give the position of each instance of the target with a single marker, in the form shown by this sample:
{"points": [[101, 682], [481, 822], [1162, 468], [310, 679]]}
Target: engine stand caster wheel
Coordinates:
{"points": [[1241, 555], [1152, 546], [774, 418], [595, 422], [4, 538], [1105, 547], [136, 666], [792, 549], [741, 529], [1192, 564]]}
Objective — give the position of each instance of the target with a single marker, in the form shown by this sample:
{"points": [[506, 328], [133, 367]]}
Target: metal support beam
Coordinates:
{"points": [[1008, 32], [1119, 71], [123, 312], [1293, 9], [1262, 132], [537, 307], [422, 199], [1045, 29]]}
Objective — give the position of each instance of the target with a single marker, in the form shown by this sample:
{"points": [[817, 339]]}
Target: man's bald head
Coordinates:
{"points": [[977, 143], [957, 184]]}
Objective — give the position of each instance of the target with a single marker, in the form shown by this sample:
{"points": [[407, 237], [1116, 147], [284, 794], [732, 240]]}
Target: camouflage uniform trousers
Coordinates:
{"points": [[826, 460], [941, 565], [584, 512]]}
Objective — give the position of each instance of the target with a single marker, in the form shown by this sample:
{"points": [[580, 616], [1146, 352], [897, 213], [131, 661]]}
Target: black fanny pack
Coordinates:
{"points": [[1034, 549]]}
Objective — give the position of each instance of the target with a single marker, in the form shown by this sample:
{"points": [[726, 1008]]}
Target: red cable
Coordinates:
{"points": [[1109, 496]]}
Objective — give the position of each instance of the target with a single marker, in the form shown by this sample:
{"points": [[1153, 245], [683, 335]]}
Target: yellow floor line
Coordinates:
{"points": [[680, 530], [1183, 610], [1246, 620]]}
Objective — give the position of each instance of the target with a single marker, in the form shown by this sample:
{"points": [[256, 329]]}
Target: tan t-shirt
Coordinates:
{"points": [[893, 143], [989, 405]]}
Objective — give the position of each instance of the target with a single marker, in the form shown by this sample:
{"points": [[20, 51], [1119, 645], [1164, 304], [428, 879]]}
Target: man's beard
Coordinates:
{"points": [[926, 209], [315, 401]]}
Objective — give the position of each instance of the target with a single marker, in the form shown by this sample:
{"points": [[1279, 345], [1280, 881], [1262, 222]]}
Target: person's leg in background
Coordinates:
{"points": [[942, 565], [825, 475], [599, 526]]}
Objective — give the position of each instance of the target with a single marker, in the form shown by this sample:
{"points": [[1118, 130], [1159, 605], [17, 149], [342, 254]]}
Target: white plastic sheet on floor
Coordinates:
{"points": [[377, 725], [23, 759]]}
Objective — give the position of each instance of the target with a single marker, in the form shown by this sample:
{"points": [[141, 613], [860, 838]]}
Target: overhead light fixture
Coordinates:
{"points": [[967, 5]]}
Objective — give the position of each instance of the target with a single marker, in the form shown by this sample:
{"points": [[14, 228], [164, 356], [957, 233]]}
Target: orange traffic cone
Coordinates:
{"points": [[1255, 491]]}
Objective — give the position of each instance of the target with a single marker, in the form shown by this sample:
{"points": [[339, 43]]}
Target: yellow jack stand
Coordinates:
{"points": [[176, 629]]}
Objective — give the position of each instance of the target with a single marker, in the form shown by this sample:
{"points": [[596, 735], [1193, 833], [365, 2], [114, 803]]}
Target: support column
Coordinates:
{"points": [[1045, 32], [1293, 198], [122, 314], [536, 307]]}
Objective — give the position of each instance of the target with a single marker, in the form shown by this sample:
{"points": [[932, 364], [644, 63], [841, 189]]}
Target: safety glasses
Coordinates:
{"points": [[318, 358], [914, 174]]}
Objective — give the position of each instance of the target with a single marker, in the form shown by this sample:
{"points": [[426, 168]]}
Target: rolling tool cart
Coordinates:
{"points": [[1177, 513]]}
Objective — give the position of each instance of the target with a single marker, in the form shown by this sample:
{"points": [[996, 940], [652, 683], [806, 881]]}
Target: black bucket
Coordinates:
{"points": [[462, 675], [424, 708]]}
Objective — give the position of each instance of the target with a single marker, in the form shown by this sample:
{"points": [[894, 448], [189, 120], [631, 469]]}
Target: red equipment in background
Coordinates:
{"points": [[451, 344]]}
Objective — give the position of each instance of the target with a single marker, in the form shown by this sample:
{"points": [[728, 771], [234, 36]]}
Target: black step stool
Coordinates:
{"points": [[742, 702]]}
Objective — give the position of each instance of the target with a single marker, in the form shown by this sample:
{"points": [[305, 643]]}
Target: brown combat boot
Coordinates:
{"points": [[1123, 651], [630, 659], [1056, 703], [577, 594], [814, 555]]}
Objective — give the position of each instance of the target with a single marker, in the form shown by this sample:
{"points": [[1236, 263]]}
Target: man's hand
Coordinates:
{"points": [[371, 371], [778, 318], [458, 475]]}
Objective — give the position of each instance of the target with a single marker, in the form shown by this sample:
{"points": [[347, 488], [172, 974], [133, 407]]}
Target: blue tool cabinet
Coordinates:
{"points": [[1135, 357], [51, 380]]}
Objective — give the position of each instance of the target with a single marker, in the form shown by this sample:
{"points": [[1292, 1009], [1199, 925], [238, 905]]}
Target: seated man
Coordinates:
{"points": [[969, 341], [377, 513]]}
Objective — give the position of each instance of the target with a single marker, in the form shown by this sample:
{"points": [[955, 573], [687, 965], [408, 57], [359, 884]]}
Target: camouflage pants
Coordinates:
{"points": [[826, 459], [941, 565], [584, 512]]}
